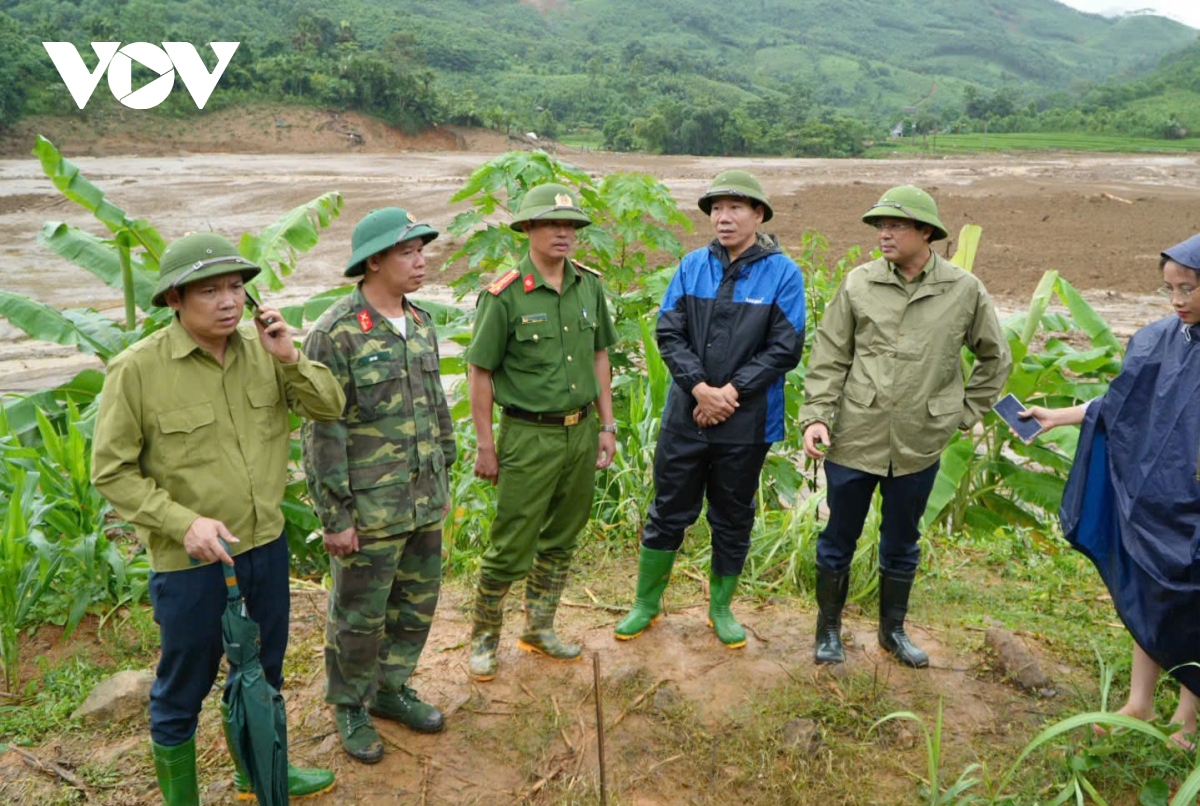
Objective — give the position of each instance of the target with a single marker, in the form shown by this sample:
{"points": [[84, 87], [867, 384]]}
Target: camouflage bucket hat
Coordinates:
{"points": [[1186, 253], [382, 229], [196, 257], [740, 184], [550, 202], [908, 202]]}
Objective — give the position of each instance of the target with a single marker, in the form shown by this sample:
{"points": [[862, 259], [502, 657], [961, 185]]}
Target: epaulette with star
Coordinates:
{"points": [[588, 269], [503, 281]]}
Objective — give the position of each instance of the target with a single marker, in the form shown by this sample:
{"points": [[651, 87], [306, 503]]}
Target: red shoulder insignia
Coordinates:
{"points": [[588, 269], [528, 283], [503, 281], [364, 320]]}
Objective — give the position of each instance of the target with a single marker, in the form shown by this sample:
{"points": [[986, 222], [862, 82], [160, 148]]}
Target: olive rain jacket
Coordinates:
{"points": [[886, 375], [740, 323]]}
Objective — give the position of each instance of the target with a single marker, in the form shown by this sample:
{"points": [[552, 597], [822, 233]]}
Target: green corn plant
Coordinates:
{"points": [[958, 793], [26, 573]]}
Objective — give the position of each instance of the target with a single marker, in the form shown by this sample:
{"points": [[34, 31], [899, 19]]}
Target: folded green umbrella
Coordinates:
{"points": [[257, 720]]}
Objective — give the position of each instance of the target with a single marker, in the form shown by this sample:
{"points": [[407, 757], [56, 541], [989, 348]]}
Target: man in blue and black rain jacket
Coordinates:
{"points": [[730, 327]]}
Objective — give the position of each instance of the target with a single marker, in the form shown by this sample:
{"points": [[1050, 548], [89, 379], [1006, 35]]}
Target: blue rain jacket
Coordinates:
{"points": [[1132, 501]]}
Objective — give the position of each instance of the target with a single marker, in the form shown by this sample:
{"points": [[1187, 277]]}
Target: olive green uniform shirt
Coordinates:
{"points": [[540, 345], [886, 373], [179, 436], [382, 467]]}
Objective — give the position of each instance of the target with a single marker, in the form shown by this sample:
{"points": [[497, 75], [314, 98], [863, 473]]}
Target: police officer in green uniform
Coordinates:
{"points": [[540, 351], [191, 447], [378, 480]]}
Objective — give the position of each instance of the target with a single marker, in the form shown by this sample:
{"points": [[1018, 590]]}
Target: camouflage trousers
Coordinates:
{"points": [[380, 610]]}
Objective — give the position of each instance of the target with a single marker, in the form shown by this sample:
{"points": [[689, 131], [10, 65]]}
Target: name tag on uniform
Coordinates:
{"points": [[533, 318], [368, 359]]}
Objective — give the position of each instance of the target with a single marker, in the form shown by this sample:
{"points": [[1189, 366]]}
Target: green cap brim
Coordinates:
{"points": [[706, 201], [558, 213], [890, 210], [226, 266], [358, 261]]}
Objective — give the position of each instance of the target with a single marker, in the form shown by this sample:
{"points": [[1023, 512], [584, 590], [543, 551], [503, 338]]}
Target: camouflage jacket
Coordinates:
{"points": [[382, 468]]}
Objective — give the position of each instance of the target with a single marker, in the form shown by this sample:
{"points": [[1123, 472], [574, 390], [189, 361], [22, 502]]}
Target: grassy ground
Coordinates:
{"points": [[980, 143], [688, 722]]}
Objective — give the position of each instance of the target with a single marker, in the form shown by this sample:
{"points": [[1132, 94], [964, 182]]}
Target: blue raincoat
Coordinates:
{"points": [[1132, 501]]}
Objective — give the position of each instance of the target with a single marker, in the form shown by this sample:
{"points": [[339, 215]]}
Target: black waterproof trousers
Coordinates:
{"points": [[685, 471]]}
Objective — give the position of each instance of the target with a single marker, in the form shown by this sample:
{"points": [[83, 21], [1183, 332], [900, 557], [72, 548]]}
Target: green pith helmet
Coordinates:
{"points": [[908, 202], [550, 202], [196, 257], [741, 184], [379, 230]]}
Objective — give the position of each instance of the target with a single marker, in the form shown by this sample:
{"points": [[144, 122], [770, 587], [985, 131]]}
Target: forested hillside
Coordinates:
{"points": [[772, 76]]}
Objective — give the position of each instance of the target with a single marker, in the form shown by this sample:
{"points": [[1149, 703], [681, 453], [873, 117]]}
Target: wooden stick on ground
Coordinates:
{"points": [[599, 727], [41, 765], [633, 705]]}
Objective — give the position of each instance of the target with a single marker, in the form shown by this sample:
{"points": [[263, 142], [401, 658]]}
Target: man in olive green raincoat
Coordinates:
{"points": [[378, 478], [191, 447], [539, 350], [885, 393]]}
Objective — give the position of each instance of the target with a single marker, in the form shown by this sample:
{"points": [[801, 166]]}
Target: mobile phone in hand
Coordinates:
{"points": [[1008, 409], [254, 305]]}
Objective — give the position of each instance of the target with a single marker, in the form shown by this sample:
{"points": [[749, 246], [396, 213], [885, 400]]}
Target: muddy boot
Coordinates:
{"points": [[302, 783], [654, 571], [485, 633], [175, 767], [543, 589], [720, 617], [893, 608], [831, 598]]}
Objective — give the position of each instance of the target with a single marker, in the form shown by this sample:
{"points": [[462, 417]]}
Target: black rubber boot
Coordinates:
{"points": [[831, 598], [893, 608]]}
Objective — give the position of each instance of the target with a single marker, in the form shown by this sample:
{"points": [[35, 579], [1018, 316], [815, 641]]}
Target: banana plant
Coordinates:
{"points": [[994, 480], [127, 259]]}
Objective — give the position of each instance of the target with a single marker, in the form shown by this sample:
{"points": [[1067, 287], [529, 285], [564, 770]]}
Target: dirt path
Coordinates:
{"points": [[1100, 220], [533, 729]]}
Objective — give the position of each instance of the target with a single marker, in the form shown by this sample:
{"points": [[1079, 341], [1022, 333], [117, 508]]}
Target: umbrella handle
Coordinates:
{"points": [[231, 582]]}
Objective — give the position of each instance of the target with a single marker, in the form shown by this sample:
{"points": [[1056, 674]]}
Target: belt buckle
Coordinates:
{"points": [[573, 418]]}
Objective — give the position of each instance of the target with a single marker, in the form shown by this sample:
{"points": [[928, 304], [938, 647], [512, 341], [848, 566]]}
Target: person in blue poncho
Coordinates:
{"points": [[1132, 501]]}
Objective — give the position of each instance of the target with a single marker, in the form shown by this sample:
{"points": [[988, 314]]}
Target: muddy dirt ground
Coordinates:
{"points": [[1100, 220]]}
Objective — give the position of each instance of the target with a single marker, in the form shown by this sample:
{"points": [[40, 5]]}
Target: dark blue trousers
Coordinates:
{"points": [[187, 608], [685, 472], [848, 494]]}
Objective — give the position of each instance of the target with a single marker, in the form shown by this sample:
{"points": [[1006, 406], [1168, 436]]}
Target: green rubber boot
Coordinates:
{"points": [[176, 770], [485, 632], [302, 783], [720, 617], [543, 589], [654, 572]]}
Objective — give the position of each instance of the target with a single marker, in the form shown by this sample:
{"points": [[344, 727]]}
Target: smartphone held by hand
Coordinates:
{"points": [[1009, 409]]}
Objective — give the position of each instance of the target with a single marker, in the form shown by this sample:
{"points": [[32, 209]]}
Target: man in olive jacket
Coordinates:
{"points": [[885, 393]]}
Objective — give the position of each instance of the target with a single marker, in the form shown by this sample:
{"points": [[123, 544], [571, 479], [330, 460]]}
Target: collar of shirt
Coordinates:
{"points": [[570, 275], [182, 344], [921, 275], [360, 303]]}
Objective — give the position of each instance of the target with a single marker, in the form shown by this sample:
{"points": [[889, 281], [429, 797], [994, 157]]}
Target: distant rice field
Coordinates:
{"points": [[1039, 141]]}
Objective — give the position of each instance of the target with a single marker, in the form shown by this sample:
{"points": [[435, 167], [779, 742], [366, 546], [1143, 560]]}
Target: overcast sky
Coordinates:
{"points": [[1185, 11]]}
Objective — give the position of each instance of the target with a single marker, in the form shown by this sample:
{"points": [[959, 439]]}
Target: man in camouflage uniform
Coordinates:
{"points": [[540, 350], [378, 480]]}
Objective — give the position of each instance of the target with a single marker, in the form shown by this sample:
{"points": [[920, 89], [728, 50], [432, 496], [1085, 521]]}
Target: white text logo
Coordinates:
{"points": [[165, 61]]}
